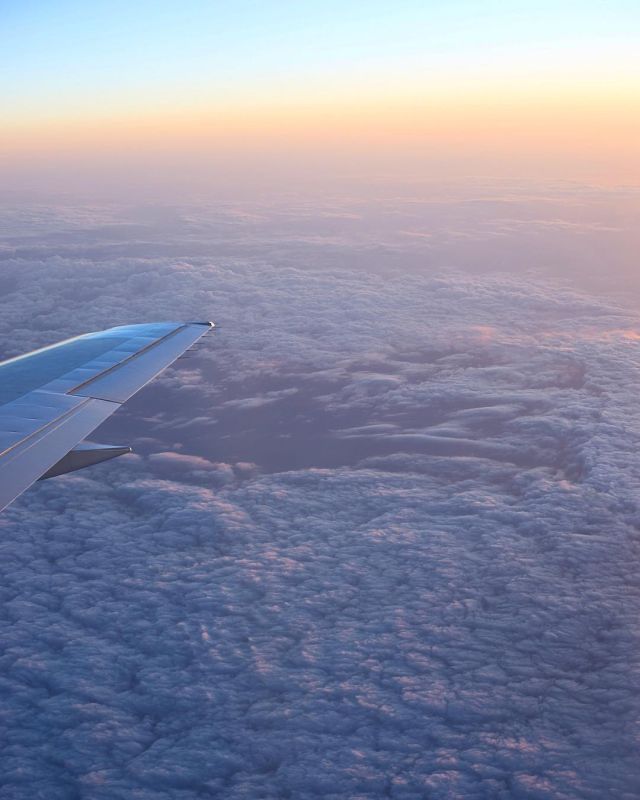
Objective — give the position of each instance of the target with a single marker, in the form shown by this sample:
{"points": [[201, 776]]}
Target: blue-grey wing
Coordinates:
{"points": [[53, 398]]}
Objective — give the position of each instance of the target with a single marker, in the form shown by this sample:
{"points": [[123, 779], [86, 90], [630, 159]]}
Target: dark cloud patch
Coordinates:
{"points": [[379, 538]]}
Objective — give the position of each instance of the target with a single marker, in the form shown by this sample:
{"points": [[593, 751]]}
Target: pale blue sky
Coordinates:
{"points": [[64, 53]]}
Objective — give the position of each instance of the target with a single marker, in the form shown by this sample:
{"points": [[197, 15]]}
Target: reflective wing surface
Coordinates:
{"points": [[50, 400]]}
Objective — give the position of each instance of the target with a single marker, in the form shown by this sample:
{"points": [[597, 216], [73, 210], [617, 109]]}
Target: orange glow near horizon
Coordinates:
{"points": [[535, 122], [523, 90], [529, 124]]}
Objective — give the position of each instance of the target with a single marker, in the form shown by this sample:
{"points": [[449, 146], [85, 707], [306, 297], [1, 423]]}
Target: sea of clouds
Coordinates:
{"points": [[379, 537]]}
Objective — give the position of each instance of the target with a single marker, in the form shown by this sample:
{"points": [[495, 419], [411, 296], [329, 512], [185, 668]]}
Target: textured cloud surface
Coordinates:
{"points": [[380, 537]]}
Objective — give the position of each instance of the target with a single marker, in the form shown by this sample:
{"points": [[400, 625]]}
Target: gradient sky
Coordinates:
{"points": [[481, 88]]}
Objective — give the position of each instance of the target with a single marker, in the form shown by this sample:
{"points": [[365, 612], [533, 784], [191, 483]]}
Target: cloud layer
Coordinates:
{"points": [[379, 538]]}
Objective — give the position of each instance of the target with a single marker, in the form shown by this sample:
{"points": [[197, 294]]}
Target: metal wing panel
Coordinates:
{"points": [[127, 343], [25, 374], [27, 415], [34, 455], [57, 396], [123, 381]]}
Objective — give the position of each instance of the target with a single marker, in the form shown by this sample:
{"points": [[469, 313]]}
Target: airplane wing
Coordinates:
{"points": [[51, 399]]}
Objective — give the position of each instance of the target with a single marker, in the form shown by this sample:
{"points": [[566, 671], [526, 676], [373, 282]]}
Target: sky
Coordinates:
{"points": [[173, 92]]}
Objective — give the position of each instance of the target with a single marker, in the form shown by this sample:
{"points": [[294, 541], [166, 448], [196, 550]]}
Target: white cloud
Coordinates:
{"points": [[395, 555]]}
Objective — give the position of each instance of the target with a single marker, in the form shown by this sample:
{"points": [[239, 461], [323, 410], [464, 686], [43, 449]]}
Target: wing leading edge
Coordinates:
{"points": [[53, 398]]}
